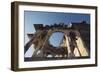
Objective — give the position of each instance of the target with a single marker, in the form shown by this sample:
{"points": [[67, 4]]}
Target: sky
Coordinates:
{"points": [[56, 39], [48, 18]]}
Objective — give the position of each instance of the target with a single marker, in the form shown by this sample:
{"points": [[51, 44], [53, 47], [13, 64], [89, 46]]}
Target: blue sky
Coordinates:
{"points": [[56, 39], [48, 18]]}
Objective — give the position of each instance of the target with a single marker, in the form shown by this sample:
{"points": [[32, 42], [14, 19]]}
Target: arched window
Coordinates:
{"points": [[56, 39]]}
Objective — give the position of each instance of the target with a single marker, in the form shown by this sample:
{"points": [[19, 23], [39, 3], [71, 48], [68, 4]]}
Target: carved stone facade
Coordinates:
{"points": [[71, 46]]}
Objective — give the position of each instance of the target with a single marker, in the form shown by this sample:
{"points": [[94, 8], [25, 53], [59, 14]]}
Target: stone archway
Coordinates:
{"points": [[78, 50]]}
